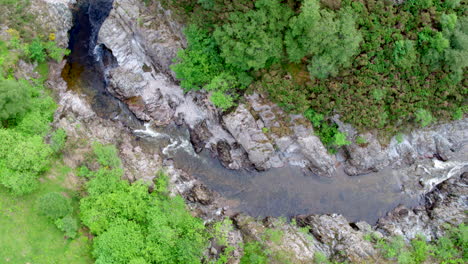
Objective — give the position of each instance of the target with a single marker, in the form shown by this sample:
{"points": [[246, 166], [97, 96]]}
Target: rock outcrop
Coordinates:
{"points": [[442, 142], [54, 17]]}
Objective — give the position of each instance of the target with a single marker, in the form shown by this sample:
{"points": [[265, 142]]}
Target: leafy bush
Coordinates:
{"points": [[22, 160], [253, 40], [57, 140], [68, 225], [121, 243], [14, 100], [134, 226], [106, 156], [254, 254], [54, 206], [331, 39], [423, 117], [200, 62], [36, 51]]}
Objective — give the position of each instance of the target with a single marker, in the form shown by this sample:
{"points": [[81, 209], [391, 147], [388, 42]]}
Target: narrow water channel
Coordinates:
{"points": [[278, 192]]}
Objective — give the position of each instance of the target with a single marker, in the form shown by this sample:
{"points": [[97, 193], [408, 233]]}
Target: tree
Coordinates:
{"points": [[404, 54], [254, 39], [68, 225], [200, 62], [331, 40], [54, 206], [22, 160], [14, 99], [120, 244]]}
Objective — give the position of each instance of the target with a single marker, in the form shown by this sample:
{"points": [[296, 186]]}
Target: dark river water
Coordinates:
{"points": [[278, 192]]}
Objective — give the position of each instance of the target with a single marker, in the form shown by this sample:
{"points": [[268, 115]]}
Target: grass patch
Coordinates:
{"points": [[28, 237]]}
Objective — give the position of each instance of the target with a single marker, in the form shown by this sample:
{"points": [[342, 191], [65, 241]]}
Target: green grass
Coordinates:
{"points": [[27, 237]]}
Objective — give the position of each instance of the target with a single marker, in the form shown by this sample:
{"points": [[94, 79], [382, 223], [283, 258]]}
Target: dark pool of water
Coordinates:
{"points": [[278, 192], [85, 71]]}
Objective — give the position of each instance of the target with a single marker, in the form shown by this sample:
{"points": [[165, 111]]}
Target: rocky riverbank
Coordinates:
{"points": [[145, 40]]}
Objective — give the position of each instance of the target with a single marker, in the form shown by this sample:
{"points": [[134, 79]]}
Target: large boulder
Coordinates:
{"points": [[242, 126]]}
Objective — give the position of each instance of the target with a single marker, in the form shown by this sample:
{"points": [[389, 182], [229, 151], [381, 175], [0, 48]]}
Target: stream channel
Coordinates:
{"points": [[285, 191]]}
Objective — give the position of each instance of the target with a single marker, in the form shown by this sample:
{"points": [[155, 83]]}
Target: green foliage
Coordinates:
{"points": [[22, 160], [221, 100], [327, 131], [200, 62], [392, 248], [58, 140], [273, 235], [330, 38], [106, 155], [320, 258], [254, 254], [221, 231], [68, 225], [54, 52], [360, 140], [54, 206], [451, 248], [132, 225], [121, 243], [36, 51], [423, 117], [404, 54], [14, 99], [253, 40]]}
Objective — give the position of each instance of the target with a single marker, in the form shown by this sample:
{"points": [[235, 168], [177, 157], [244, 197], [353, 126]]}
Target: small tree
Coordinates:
{"points": [[14, 99], [69, 225], [54, 206]]}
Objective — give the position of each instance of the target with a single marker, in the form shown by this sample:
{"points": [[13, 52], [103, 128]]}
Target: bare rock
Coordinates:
{"points": [[242, 126], [201, 194], [344, 242]]}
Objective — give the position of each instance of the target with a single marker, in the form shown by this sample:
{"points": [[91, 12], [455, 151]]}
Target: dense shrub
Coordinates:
{"points": [[54, 205], [14, 100], [68, 225], [106, 155], [254, 39], [134, 226]]}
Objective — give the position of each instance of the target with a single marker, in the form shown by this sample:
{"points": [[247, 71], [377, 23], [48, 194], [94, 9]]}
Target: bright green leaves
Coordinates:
{"points": [[404, 54], [134, 226], [36, 51], [330, 39], [22, 160], [14, 99], [39, 51], [201, 66], [254, 39], [200, 62], [122, 243]]}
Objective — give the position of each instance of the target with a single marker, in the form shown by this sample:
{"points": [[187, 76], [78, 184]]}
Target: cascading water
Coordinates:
{"points": [[285, 191]]}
